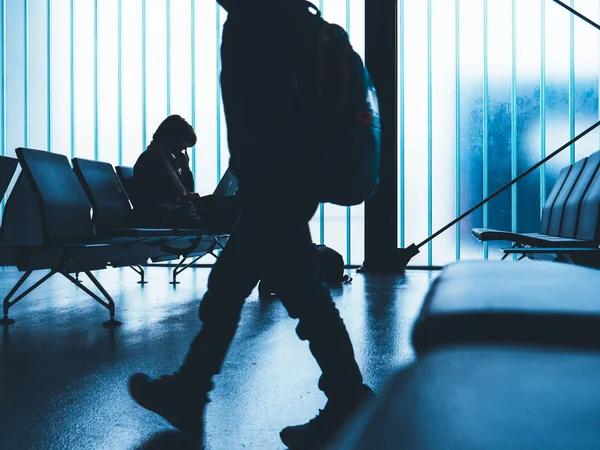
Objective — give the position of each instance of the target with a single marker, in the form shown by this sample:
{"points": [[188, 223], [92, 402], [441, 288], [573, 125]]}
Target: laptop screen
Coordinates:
{"points": [[227, 186]]}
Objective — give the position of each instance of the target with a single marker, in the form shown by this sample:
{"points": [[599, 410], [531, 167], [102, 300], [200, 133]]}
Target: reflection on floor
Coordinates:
{"points": [[63, 375]]}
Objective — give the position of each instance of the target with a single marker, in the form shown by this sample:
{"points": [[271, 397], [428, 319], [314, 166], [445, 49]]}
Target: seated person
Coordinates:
{"points": [[163, 184]]}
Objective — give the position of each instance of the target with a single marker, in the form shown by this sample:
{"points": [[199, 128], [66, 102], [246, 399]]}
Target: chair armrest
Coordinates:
{"points": [[544, 250]]}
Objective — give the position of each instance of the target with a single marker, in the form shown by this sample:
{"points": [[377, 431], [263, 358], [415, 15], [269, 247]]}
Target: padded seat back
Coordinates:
{"points": [[547, 211], [21, 220], [573, 206], [7, 170], [110, 205], [125, 175], [588, 224], [558, 209], [64, 207]]}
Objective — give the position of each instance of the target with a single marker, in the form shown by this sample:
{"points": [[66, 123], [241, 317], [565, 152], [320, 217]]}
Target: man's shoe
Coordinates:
{"points": [[180, 403], [319, 431]]}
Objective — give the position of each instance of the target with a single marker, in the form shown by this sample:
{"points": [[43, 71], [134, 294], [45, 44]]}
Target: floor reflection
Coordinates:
{"points": [[63, 376]]}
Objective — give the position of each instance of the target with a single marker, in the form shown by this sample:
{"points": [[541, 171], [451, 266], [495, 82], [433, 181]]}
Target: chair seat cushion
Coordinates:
{"points": [[485, 398], [143, 232], [534, 239], [505, 301]]}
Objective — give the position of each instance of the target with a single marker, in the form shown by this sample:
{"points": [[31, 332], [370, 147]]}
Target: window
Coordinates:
{"points": [[487, 89], [93, 79]]}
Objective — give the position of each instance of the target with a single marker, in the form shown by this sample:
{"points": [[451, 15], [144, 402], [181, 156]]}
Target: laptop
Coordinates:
{"points": [[227, 186]]}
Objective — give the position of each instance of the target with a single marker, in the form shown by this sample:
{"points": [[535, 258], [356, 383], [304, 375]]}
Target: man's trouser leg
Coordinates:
{"points": [[232, 279], [298, 284], [282, 249]]}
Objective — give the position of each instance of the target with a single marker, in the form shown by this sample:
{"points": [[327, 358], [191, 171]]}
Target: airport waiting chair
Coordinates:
{"points": [[112, 211], [46, 225], [570, 217], [125, 175], [57, 232], [8, 167], [226, 187]]}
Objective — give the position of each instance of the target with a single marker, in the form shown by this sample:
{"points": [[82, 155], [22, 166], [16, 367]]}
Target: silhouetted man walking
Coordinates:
{"points": [[265, 130]]}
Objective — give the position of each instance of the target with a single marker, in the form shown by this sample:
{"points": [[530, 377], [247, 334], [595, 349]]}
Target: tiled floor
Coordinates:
{"points": [[63, 376]]}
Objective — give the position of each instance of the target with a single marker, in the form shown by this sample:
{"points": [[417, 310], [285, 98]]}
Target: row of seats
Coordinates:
{"points": [[47, 224], [508, 356], [570, 222]]}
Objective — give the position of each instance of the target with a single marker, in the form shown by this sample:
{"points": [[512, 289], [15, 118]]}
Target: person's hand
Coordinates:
{"points": [[192, 195], [182, 158]]}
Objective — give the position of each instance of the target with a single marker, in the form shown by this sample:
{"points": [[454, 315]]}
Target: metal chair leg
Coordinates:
{"points": [[140, 271], [8, 303], [107, 302], [180, 268]]}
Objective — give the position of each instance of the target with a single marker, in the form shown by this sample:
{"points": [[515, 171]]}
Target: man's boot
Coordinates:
{"points": [[321, 325], [174, 398], [320, 430]]}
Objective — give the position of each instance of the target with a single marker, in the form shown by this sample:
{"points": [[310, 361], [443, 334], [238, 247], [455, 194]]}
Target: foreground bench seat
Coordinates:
{"points": [[494, 302], [493, 398]]}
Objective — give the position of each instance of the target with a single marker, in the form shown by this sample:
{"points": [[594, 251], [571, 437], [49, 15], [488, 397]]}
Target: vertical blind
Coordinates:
{"points": [[486, 89], [93, 79]]}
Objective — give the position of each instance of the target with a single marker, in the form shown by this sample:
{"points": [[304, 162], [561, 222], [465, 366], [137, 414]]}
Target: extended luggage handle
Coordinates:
{"points": [[507, 185], [578, 14]]}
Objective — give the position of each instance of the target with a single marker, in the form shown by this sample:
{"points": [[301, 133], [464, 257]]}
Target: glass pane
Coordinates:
{"points": [[223, 148], [443, 114], [498, 148], [131, 79], [335, 230], [180, 59], [60, 97], [83, 46], [557, 60], [471, 120], [415, 125], [156, 65], [37, 83], [586, 63], [529, 151], [15, 76], [207, 39], [357, 214], [108, 61]]}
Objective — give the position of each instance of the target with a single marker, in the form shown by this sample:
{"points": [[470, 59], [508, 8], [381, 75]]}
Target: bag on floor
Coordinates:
{"points": [[331, 268], [340, 105]]}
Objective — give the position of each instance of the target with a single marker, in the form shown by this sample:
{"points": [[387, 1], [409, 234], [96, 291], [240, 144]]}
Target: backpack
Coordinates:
{"points": [[331, 268], [339, 103]]}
